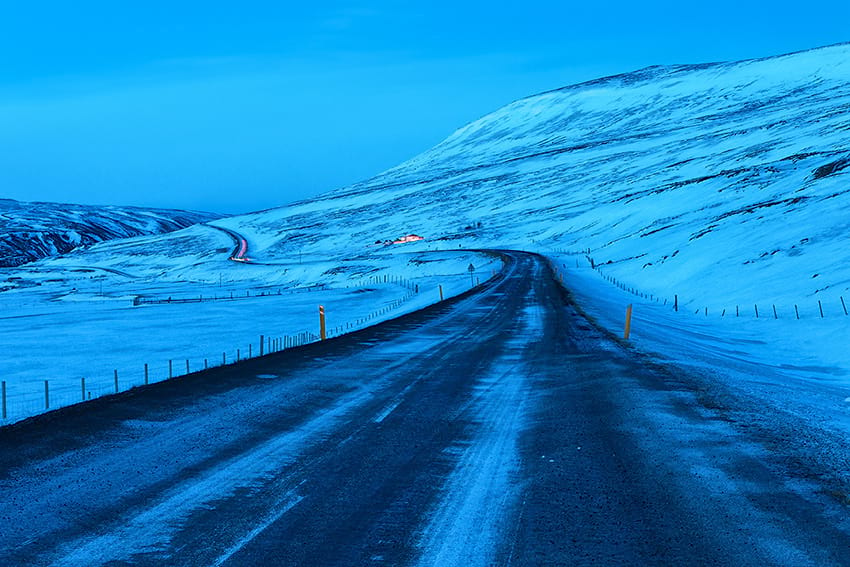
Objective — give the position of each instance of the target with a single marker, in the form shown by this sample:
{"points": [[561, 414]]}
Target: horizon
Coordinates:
{"points": [[237, 111]]}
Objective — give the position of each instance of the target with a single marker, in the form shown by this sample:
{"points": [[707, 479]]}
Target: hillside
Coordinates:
{"points": [[724, 183], [30, 231]]}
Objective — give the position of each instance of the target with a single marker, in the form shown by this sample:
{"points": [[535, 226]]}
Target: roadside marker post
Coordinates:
{"points": [[322, 329], [441, 292], [46, 395], [146, 373], [628, 329]]}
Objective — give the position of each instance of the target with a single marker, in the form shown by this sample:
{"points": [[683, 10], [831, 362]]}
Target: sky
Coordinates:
{"points": [[240, 106]]}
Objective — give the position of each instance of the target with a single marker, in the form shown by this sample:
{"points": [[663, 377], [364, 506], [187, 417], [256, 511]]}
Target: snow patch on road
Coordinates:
{"points": [[473, 516]]}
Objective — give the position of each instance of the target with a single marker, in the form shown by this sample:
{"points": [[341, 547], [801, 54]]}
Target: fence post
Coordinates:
{"points": [[3, 388], [775, 316], [146, 373], [238, 356], [322, 330], [170, 369], [628, 330], [115, 373], [796, 311], [262, 342], [843, 305], [757, 311], [820, 307], [223, 358], [676, 302], [83, 388], [187, 366], [46, 395], [250, 350], [206, 364], [441, 292]]}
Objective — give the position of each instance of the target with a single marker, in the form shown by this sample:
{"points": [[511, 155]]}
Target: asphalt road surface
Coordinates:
{"points": [[496, 428]]}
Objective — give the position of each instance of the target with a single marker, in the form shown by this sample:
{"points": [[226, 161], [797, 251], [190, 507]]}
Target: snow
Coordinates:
{"points": [[707, 182], [796, 368], [80, 323]]}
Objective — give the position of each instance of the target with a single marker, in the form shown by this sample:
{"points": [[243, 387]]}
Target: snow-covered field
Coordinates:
{"points": [[66, 323], [724, 184]]}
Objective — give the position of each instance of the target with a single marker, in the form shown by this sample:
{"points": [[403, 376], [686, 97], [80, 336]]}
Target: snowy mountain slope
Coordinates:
{"points": [[722, 183], [29, 231]]}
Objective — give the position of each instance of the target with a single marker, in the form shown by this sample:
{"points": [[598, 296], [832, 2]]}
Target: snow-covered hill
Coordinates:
{"points": [[29, 231], [722, 183]]}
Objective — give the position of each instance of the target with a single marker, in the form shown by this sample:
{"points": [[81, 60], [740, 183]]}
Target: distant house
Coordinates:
{"points": [[408, 238]]}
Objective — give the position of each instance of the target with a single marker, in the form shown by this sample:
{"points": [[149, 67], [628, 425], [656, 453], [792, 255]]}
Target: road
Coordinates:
{"points": [[495, 428], [240, 251]]}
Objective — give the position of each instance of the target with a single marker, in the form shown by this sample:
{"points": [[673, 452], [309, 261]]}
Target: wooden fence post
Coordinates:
{"points": [[187, 366], [322, 329], [3, 388], [83, 388], [820, 307], [170, 369], [46, 395], [628, 330], [441, 292], [115, 373], [146, 373]]}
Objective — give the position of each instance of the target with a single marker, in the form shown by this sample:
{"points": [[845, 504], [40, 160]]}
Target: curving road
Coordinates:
{"points": [[495, 428], [240, 251]]}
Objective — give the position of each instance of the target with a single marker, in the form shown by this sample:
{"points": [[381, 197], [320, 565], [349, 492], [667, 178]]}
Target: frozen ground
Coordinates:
{"points": [[64, 322], [776, 374]]}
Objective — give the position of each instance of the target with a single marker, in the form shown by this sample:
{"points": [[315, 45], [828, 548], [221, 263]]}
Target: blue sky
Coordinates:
{"points": [[240, 106]]}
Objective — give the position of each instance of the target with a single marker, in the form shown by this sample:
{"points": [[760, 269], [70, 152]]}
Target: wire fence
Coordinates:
{"points": [[812, 308], [19, 400]]}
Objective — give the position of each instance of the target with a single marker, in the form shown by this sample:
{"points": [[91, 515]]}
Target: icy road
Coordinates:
{"points": [[495, 428]]}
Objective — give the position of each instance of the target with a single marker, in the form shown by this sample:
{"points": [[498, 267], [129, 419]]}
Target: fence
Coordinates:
{"points": [[811, 309], [93, 387]]}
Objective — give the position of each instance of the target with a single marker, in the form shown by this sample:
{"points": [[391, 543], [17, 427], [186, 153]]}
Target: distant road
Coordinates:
{"points": [[495, 428], [240, 251]]}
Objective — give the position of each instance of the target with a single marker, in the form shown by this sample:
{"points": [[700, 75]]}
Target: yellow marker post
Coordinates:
{"points": [[441, 292], [322, 331], [628, 329]]}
